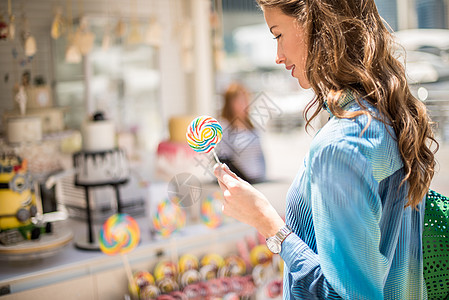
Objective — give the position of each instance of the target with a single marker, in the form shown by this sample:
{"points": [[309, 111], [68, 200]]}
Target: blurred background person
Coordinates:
{"points": [[240, 147]]}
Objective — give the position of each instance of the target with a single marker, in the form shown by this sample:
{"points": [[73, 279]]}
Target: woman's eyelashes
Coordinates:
{"points": [[277, 37]]}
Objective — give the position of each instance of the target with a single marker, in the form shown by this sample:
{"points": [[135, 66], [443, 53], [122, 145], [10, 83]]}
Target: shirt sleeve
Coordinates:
{"points": [[346, 212], [305, 271]]}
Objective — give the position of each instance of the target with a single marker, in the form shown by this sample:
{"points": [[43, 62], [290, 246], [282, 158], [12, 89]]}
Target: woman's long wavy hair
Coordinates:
{"points": [[349, 47]]}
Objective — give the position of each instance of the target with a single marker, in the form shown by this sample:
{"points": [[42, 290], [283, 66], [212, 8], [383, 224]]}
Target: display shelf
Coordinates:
{"points": [[72, 265]]}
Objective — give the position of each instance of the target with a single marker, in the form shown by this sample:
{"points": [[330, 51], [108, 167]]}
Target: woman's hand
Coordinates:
{"points": [[246, 204]]}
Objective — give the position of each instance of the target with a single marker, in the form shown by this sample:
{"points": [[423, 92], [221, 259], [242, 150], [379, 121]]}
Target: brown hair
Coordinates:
{"points": [[234, 90], [349, 48]]}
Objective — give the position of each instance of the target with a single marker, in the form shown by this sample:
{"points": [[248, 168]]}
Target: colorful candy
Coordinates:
{"points": [[120, 234], [168, 218], [203, 134], [190, 277], [140, 280], [188, 262], [143, 278], [165, 269], [260, 255], [235, 265], [211, 211], [213, 259], [149, 292]]}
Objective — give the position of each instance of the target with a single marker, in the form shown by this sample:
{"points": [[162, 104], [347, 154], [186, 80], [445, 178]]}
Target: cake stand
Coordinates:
{"points": [[91, 242], [114, 181]]}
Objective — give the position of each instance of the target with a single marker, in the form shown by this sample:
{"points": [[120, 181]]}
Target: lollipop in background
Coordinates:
{"points": [[120, 234], [211, 211], [203, 134], [168, 218]]}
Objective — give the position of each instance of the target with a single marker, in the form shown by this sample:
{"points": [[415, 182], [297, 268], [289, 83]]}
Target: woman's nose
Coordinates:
{"points": [[280, 58]]}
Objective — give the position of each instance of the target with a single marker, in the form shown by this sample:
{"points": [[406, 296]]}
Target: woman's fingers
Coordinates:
{"points": [[218, 172], [222, 186], [227, 170], [227, 180], [225, 176]]}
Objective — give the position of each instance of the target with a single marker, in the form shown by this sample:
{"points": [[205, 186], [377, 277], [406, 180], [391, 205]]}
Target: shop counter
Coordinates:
{"points": [[81, 274]]}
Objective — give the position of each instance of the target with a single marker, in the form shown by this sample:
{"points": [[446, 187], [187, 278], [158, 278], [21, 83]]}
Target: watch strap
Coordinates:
{"points": [[281, 235]]}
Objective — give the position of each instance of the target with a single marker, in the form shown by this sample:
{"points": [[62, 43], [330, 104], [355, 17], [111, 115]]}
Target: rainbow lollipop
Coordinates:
{"points": [[211, 211], [119, 234], [203, 134], [168, 218]]}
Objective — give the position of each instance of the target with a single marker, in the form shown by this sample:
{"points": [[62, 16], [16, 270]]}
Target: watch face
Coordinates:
{"points": [[273, 246]]}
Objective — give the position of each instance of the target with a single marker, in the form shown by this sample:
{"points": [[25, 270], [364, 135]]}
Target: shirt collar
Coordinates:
{"points": [[346, 97]]}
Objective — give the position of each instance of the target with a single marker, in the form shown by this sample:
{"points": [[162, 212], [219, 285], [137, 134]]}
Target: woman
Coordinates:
{"points": [[353, 221], [240, 148]]}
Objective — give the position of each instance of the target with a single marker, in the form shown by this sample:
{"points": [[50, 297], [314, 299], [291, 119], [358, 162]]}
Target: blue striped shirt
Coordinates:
{"points": [[352, 237]]}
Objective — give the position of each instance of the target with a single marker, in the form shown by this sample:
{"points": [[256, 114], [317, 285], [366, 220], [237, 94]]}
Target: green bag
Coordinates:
{"points": [[436, 246]]}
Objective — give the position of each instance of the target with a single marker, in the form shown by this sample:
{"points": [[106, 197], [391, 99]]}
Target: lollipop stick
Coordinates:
{"points": [[129, 273], [215, 156], [174, 250]]}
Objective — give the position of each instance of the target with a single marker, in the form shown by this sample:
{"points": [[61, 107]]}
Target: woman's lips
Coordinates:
{"points": [[292, 67]]}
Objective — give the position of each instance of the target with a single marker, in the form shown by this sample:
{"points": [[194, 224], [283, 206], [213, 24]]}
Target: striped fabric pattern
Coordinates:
{"points": [[352, 237]]}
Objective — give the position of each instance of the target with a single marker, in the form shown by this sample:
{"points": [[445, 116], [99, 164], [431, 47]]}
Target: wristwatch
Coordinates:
{"points": [[274, 243]]}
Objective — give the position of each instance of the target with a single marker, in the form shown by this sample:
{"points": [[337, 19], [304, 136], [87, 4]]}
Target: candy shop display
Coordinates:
{"points": [[211, 210], [168, 218], [203, 134], [232, 279]]}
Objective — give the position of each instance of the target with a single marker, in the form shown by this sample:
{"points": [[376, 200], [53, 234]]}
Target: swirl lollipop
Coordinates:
{"points": [[120, 234], [168, 218], [203, 134], [211, 211]]}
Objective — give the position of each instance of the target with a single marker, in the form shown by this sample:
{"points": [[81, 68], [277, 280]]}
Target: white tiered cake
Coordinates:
{"points": [[101, 167], [100, 162]]}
